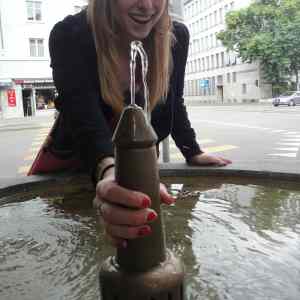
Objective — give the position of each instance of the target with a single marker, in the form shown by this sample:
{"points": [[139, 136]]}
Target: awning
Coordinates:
{"points": [[5, 82]]}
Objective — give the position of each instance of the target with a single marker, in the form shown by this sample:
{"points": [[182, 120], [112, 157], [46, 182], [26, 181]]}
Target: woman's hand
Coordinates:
{"points": [[126, 214], [208, 159]]}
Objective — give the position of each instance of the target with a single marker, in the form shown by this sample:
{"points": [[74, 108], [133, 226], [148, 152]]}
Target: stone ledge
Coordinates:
{"points": [[265, 169]]}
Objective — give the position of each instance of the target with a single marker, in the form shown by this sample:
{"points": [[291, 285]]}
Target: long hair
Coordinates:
{"points": [[157, 45]]}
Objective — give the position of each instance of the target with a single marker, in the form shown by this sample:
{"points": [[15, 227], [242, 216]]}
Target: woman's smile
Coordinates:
{"points": [[136, 18], [141, 19]]}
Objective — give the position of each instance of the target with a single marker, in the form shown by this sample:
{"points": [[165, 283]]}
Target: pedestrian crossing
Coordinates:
{"points": [[207, 145], [36, 144], [288, 145]]}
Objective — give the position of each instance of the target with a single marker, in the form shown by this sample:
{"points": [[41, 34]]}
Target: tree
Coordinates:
{"points": [[290, 35], [267, 32]]}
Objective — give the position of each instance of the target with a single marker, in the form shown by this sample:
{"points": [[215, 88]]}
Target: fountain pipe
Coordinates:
{"points": [[144, 270]]}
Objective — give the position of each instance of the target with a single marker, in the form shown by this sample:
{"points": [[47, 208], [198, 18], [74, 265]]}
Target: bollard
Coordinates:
{"points": [[145, 269]]}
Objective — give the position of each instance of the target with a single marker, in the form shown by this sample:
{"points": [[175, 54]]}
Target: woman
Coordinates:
{"points": [[90, 59]]}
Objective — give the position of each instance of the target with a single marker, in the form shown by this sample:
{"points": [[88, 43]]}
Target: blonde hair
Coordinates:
{"points": [[157, 45]]}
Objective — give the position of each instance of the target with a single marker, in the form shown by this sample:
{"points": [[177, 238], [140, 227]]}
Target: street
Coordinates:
{"points": [[249, 132], [242, 133]]}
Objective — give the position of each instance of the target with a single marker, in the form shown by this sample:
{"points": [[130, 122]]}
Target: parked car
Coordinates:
{"points": [[289, 98]]}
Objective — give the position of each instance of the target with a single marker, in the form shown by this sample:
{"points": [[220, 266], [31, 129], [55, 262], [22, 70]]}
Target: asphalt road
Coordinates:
{"points": [[242, 133], [258, 132]]}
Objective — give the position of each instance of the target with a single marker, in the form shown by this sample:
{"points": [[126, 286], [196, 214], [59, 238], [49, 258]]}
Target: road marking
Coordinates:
{"points": [[291, 132], [37, 143], [278, 131], [30, 157], [34, 149], [290, 140], [289, 144], [201, 142], [295, 136], [288, 149], [41, 136], [178, 155], [232, 124], [24, 169], [47, 125], [219, 148], [44, 131], [293, 155]]}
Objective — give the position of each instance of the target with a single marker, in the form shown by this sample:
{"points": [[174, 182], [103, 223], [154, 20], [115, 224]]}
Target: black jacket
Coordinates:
{"points": [[83, 127]]}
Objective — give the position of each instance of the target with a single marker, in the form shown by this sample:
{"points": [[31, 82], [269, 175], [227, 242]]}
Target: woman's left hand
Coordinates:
{"points": [[205, 159]]}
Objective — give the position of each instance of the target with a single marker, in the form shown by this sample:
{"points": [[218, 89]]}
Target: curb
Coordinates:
{"points": [[181, 170], [31, 183]]}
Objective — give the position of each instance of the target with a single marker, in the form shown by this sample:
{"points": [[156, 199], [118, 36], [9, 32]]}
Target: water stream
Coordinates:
{"points": [[137, 49]]}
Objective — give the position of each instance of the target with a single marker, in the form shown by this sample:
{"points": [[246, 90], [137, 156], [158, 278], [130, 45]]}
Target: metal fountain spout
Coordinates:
{"points": [[145, 269]]}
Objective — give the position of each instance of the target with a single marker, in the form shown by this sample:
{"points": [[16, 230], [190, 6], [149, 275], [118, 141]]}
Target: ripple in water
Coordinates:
{"points": [[242, 242]]}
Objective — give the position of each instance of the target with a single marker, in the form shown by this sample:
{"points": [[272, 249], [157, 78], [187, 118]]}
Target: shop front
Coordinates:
{"points": [[10, 99], [37, 96]]}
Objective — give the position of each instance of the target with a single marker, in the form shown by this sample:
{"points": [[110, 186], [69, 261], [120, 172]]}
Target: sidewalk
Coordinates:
{"points": [[24, 123], [194, 101]]}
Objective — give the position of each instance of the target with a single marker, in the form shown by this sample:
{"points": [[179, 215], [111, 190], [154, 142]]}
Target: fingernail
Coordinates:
{"points": [[144, 231], [151, 216], [146, 202]]}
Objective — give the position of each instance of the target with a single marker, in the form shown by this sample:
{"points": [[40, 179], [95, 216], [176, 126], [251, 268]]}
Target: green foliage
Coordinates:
{"points": [[268, 31]]}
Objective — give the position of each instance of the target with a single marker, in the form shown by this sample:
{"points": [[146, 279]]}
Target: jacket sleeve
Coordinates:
{"points": [[80, 94], [182, 132]]}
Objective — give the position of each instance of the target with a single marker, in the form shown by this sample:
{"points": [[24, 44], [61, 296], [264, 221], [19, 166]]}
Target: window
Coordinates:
{"points": [[244, 88], [215, 18], [228, 78], [234, 77], [1, 35], [221, 15], [222, 59], [36, 47], [217, 61], [34, 10]]}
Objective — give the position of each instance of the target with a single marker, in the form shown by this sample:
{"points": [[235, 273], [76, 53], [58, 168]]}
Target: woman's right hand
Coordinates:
{"points": [[126, 214]]}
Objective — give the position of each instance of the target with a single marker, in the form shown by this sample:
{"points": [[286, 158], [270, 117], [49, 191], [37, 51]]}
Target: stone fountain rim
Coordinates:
{"points": [[23, 184]]}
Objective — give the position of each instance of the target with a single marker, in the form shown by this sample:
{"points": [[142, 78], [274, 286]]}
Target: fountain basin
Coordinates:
{"points": [[237, 231]]}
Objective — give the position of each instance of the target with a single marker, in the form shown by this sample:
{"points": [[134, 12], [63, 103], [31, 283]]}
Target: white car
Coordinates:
{"points": [[289, 98]]}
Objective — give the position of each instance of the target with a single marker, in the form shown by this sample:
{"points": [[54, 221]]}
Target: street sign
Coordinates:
{"points": [[11, 98], [204, 83]]}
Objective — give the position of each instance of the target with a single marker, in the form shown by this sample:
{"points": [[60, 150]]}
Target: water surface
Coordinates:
{"points": [[238, 240]]}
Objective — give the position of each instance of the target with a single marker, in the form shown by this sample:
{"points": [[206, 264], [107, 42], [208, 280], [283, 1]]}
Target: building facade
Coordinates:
{"points": [[176, 9], [26, 85], [214, 75]]}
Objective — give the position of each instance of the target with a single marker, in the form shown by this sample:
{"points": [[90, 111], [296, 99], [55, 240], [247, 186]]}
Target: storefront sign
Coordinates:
{"points": [[11, 98], [5, 82]]}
